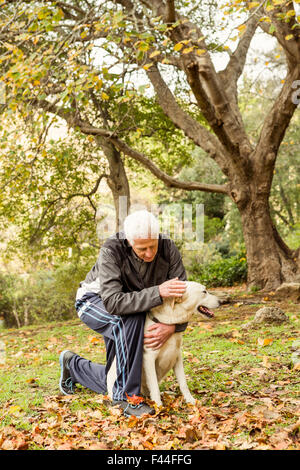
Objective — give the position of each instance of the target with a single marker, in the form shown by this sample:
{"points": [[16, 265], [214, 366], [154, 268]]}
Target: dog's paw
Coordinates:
{"points": [[190, 400]]}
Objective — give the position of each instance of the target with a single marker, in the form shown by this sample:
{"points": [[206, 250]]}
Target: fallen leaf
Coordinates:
{"points": [[134, 399], [191, 435], [65, 446], [132, 421], [53, 339], [15, 409], [235, 334], [220, 446], [195, 360], [266, 362], [98, 446], [94, 339], [148, 445], [31, 381], [264, 341]]}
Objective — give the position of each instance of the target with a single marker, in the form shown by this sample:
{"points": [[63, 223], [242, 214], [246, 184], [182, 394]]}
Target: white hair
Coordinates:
{"points": [[141, 224]]}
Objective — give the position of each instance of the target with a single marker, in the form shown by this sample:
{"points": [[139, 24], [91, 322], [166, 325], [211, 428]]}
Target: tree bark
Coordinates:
{"points": [[117, 181], [270, 261], [15, 313]]}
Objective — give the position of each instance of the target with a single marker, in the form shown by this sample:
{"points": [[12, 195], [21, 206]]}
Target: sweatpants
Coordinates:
{"points": [[123, 337]]}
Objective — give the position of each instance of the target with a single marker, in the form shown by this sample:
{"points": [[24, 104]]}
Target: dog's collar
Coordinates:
{"points": [[153, 318]]}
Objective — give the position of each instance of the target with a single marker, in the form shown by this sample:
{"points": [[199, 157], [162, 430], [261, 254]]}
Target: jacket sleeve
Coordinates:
{"points": [[115, 300]]}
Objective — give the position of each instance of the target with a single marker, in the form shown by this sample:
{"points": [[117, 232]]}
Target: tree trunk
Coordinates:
{"points": [[270, 261], [117, 182], [15, 313], [26, 314]]}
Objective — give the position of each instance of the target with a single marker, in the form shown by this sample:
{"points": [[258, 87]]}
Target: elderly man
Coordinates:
{"points": [[135, 271]]}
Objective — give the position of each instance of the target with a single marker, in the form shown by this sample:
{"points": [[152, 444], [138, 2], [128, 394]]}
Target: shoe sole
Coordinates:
{"points": [[61, 362], [127, 415]]}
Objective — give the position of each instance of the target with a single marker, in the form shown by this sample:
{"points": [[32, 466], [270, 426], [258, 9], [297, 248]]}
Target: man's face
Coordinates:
{"points": [[145, 248]]}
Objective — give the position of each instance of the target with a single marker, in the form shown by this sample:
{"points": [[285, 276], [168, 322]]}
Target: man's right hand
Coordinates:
{"points": [[172, 288]]}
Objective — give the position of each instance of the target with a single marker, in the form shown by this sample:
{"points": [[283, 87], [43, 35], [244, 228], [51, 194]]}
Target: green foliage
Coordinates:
{"points": [[293, 239], [6, 283], [223, 272], [212, 227], [199, 168], [48, 195], [45, 295]]}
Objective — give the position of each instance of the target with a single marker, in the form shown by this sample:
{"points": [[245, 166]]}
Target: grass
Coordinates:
{"points": [[244, 380]]}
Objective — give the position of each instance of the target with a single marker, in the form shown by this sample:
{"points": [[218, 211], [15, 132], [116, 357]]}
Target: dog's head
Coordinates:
{"points": [[196, 299]]}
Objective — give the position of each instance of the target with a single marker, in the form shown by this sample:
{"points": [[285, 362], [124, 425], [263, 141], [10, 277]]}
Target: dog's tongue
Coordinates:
{"points": [[207, 312]]}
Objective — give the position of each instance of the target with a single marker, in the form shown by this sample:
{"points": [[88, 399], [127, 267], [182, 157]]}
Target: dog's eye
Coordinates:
{"points": [[205, 292]]}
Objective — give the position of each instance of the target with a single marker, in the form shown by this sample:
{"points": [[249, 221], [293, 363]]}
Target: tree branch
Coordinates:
{"points": [[170, 14], [89, 129], [138, 156], [236, 64], [224, 118], [277, 121], [168, 180], [220, 111], [93, 191], [192, 129]]}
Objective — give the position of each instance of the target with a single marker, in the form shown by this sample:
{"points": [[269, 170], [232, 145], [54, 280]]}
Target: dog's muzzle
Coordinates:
{"points": [[205, 311]]}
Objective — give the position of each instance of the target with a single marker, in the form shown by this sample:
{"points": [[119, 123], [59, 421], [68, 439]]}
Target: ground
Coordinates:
{"points": [[245, 382]]}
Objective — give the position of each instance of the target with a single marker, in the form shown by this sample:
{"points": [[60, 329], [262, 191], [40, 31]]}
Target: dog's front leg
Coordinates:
{"points": [[180, 375], [151, 377]]}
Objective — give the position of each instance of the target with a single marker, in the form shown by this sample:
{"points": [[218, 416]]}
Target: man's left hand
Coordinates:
{"points": [[157, 335]]}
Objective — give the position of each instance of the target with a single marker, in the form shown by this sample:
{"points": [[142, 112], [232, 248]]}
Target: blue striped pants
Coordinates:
{"points": [[123, 336]]}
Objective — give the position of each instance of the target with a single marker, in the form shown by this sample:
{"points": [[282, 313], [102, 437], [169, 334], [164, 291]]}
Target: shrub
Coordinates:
{"points": [[220, 273], [46, 295]]}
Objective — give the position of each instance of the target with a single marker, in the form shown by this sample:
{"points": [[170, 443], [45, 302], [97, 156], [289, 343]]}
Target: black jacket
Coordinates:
{"points": [[115, 276]]}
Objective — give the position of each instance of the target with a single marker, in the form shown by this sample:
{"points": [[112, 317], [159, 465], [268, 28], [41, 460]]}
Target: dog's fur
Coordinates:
{"points": [[157, 363]]}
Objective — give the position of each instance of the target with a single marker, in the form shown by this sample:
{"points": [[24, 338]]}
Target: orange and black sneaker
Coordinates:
{"points": [[131, 409]]}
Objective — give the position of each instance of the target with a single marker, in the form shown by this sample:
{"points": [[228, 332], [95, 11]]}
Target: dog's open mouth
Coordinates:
{"points": [[205, 311]]}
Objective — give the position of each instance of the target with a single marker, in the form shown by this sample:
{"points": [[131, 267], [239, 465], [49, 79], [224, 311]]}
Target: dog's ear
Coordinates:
{"points": [[166, 310], [175, 300], [190, 298]]}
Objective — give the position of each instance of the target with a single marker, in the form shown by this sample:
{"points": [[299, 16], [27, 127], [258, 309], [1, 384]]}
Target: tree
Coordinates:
{"points": [[49, 192], [48, 64]]}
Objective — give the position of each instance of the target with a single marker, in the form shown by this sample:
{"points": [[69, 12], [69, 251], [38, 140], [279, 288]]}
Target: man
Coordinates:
{"points": [[135, 271]]}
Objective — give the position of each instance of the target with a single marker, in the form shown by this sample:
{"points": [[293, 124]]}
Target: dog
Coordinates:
{"points": [[157, 363]]}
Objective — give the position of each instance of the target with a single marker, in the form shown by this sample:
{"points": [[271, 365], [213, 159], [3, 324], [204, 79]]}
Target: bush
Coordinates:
{"points": [[41, 296], [220, 273]]}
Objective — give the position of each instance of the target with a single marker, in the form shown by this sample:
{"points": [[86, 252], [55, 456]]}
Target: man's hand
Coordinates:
{"points": [[158, 335], [172, 288]]}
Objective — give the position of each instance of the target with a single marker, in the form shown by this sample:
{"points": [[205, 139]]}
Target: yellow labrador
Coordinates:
{"points": [[157, 363]]}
